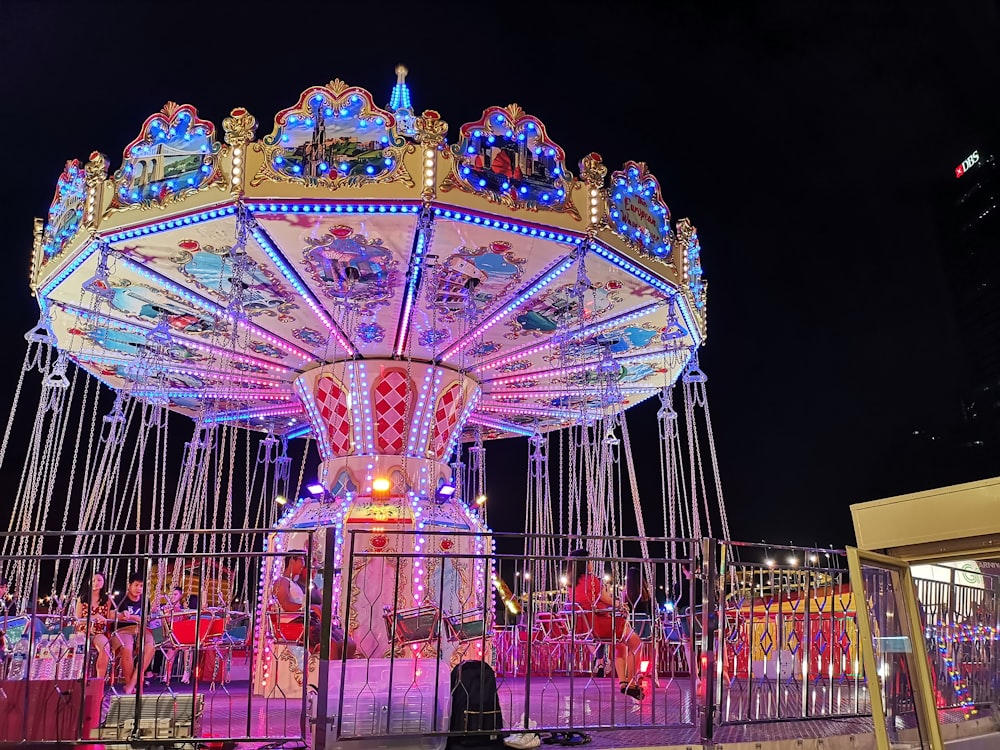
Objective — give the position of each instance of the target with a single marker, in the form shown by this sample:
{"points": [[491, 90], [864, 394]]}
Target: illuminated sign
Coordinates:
{"points": [[970, 161], [638, 212]]}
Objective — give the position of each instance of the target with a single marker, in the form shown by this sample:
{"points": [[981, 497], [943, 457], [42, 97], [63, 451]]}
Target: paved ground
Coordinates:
{"points": [[664, 717]]}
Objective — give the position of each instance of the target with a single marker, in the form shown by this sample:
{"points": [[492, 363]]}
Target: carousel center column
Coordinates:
{"points": [[386, 430]]}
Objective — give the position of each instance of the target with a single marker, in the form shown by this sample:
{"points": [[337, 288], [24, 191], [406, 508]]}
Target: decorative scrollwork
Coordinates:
{"points": [[592, 170], [96, 169], [239, 128], [174, 155], [334, 136], [507, 158], [431, 129]]}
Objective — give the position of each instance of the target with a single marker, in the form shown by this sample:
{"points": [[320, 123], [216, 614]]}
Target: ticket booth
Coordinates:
{"points": [[951, 523]]}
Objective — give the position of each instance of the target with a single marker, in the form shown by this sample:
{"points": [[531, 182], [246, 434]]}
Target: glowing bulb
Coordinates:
{"points": [[280, 499], [481, 500], [381, 485]]}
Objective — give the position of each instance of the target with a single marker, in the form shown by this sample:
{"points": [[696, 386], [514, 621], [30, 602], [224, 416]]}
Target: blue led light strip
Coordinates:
{"points": [[680, 301], [300, 432], [322, 436], [46, 290], [544, 279], [264, 241], [104, 318], [421, 240], [640, 273], [150, 367], [211, 308], [219, 211], [500, 424], [509, 226], [582, 333], [334, 208]]}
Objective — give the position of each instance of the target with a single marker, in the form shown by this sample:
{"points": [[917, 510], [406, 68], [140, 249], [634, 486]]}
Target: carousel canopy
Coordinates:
{"points": [[210, 274]]}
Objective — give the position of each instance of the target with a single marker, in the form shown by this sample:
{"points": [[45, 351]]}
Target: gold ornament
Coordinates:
{"points": [[239, 128], [592, 170], [431, 129]]}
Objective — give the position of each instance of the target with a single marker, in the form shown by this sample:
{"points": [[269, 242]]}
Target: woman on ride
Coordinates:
{"points": [[606, 620], [94, 608]]}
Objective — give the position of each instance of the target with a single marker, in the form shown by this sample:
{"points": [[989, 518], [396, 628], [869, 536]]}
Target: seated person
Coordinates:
{"points": [[127, 623], [94, 609], [291, 597], [8, 607], [606, 622]]}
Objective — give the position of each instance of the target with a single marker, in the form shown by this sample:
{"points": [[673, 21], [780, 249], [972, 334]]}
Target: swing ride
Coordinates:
{"points": [[355, 292], [396, 301]]}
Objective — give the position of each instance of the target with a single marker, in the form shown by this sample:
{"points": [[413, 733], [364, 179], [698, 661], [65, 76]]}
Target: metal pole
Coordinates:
{"points": [[347, 612], [196, 656], [807, 636], [709, 553], [322, 725]]}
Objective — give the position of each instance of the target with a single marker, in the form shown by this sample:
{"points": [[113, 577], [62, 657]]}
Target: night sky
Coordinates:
{"points": [[806, 141]]}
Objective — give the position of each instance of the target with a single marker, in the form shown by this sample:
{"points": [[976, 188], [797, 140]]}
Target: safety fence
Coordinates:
{"points": [[679, 636], [148, 648]]}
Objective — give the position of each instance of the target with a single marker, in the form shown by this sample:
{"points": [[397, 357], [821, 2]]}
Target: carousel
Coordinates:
{"points": [[358, 282]]}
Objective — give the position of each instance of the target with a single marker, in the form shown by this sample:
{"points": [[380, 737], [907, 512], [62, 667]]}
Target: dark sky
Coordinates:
{"points": [[805, 140]]}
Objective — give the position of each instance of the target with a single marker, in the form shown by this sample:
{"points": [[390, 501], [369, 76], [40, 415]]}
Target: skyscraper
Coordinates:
{"points": [[970, 226]]}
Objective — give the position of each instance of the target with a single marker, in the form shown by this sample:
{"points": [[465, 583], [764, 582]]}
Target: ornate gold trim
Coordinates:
{"points": [[171, 113], [338, 93], [239, 128], [510, 119]]}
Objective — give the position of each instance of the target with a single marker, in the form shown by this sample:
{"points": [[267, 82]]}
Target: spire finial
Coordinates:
{"points": [[399, 102]]}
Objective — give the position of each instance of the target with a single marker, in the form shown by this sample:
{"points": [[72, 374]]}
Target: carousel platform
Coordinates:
{"points": [[595, 707]]}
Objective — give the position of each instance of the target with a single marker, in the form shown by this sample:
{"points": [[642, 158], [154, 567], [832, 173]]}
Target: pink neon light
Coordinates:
{"points": [[87, 314], [245, 395], [559, 372], [212, 307], [521, 409], [284, 411]]}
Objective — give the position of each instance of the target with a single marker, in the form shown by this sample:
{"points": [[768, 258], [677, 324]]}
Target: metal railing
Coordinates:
{"points": [[65, 667], [725, 634]]}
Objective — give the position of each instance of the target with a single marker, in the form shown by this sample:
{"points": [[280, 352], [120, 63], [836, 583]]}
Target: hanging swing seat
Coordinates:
{"points": [[413, 625], [466, 626]]}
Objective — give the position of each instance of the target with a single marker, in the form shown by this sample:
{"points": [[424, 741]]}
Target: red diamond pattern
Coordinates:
{"points": [[445, 418], [332, 404], [393, 401]]}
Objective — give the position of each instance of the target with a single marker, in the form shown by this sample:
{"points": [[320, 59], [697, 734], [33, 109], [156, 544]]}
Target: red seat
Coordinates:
{"points": [[208, 629], [285, 630]]}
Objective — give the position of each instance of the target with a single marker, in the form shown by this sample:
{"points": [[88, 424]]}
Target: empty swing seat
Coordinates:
{"points": [[413, 625]]}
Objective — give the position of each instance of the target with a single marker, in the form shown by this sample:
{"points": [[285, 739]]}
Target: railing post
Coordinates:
{"points": [[709, 605], [322, 726]]}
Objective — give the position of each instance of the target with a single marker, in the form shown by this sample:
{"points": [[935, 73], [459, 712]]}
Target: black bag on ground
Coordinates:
{"points": [[475, 705]]}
